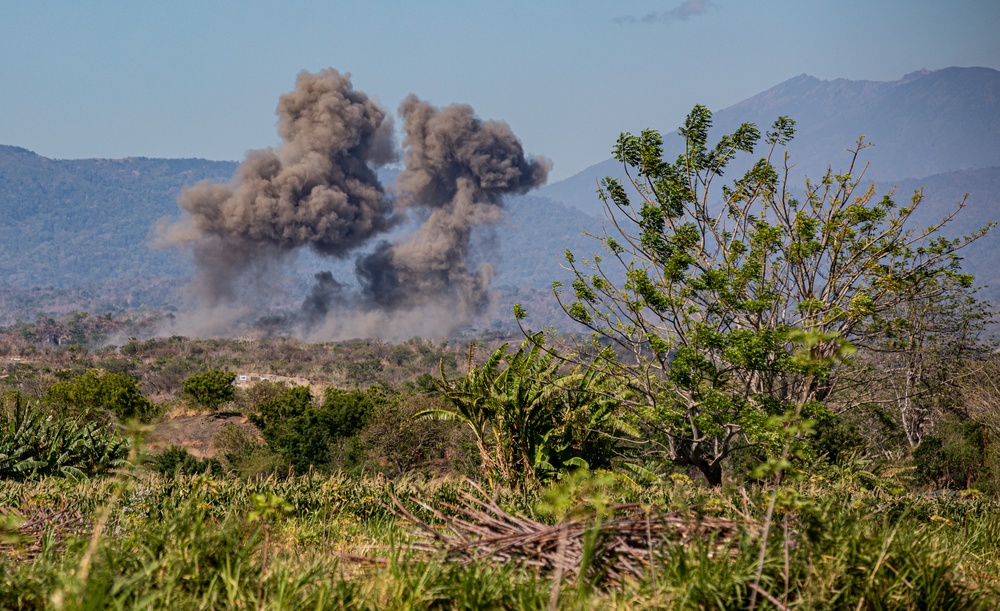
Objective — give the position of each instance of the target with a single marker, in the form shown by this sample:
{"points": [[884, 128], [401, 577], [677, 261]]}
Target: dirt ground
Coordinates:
{"points": [[194, 432]]}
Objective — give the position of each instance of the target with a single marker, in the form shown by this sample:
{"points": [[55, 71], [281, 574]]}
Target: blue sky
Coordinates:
{"points": [[202, 78]]}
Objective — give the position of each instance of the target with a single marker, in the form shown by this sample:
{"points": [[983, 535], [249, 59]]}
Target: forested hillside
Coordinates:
{"points": [[76, 235], [65, 223]]}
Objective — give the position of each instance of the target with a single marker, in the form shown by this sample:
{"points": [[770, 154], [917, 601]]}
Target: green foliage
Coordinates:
{"points": [[734, 313], [304, 433], [211, 389], [245, 456], [364, 371], [35, 443], [394, 443], [96, 393], [348, 411], [837, 437], [530, 421], [268, 507], [176, 460], [955, 456], [317, 542]]}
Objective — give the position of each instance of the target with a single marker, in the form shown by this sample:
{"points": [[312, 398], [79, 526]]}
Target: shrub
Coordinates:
{"points": [[836, 438], [393, 442], [211, 389], [244, 455], [176, 460], [304, 433], [247, 399], [955, 456], [97, 392]]}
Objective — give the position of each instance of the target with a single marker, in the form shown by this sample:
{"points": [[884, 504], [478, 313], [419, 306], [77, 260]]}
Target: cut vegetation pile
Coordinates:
{"points": [[620, 548]]}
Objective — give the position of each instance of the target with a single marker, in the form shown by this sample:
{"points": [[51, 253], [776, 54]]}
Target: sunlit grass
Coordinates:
{"points": [[190, 543]]}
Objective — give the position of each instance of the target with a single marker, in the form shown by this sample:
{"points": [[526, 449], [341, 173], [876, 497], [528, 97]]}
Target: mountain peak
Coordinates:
{"points": [[6, 149], [928, 122], [912, 76]]}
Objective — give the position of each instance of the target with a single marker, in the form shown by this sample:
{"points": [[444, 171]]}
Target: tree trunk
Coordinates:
{"points": [[712, 472]]}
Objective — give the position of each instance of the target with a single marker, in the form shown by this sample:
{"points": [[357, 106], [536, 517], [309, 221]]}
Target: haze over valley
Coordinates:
{"points": [[102, 235]]}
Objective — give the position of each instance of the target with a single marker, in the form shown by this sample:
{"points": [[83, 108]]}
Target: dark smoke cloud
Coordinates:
{"points": [[325, 293], [458, 167], [319, 189]]}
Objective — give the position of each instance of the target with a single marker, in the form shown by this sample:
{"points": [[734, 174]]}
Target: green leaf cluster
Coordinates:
{"points": [[96, 393], [530, 420], [304, 433], [211, 389], [36, 443]]}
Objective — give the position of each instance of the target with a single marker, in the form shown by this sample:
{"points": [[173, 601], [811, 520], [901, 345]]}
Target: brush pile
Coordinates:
{"points": [[22, 533], [611, 551]]}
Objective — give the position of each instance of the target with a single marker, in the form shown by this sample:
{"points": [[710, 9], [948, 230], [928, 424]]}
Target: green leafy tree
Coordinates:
{"points": [[721, 279], [347, 411], [304, 433], [212, 388], [96, 393]]}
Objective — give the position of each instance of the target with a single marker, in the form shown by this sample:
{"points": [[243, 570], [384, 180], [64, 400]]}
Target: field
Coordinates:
{"points": [[334, 541], [400, 513]]}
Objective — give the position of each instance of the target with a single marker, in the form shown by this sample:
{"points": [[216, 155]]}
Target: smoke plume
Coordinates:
{"points": [[458, 168], [319, 190]]}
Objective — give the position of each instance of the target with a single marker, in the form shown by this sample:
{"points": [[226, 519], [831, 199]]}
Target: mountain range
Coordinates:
{"points": [[924, 124], [76, 234]]}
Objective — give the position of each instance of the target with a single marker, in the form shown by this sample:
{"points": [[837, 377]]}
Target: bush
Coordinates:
{"points": [[955, 456], [96, 393], [247, 399], [244, 455], [211, 389], [836, 438], [363, 371], [303, 433], [176, 460], [348, 410], [393, 442]]}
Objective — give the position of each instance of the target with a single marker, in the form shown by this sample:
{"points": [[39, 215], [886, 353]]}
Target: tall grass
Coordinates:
{"points": [[190, 543]]}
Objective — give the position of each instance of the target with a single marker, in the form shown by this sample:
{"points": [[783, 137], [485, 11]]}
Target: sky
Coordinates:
{"points": [[188, 78]]}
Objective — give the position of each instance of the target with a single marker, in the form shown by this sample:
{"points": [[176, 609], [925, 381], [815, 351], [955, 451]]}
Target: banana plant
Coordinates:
{"points": [[36, 443], [529, 419]]}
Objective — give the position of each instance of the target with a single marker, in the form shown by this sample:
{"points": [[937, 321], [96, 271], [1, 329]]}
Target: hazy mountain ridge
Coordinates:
{"points": [[923, 124], [68, 222], [76, 233], [941, 194]]}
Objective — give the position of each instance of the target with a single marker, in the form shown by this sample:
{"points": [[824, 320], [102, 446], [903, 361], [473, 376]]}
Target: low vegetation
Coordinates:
{"points": [[783, 403]]}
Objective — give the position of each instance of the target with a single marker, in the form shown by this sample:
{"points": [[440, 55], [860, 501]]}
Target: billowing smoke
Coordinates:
{"points": [[457, 167], [326, 293], [320, 190]]}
